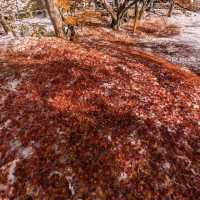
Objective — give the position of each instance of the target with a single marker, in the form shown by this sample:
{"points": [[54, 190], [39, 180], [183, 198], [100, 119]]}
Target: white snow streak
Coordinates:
{"points": [[71, 188], [12, 85], [11, 172]]}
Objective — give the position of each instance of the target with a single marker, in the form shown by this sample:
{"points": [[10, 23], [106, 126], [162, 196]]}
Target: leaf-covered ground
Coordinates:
{"points": [[77, 122], [176, 39]]}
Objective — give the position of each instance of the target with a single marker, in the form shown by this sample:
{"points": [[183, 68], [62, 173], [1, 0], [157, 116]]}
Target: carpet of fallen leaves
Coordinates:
{"points": [[77, 123]]}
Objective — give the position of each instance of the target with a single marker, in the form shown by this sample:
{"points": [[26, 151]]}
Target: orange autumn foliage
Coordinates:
{"points": [[81, 19], [66, 5], [63, 4], [71, 20]]}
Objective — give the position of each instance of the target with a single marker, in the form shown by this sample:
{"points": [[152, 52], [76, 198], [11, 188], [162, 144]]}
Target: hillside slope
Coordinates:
{"points": [[78, 123]]}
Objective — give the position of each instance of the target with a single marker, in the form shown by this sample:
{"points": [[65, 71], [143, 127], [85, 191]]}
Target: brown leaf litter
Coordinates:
{"points": [[80, 123]]}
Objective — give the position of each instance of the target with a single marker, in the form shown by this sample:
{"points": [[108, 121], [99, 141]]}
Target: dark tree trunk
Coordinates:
{"points": [[118, 11], [56, 18], [172, 3], [4, 24], [115, 24], [70, 33]]}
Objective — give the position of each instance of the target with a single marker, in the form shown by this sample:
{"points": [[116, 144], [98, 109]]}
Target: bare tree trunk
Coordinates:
{"points": [[109, 8], [171, 8], [6, 26], [118, 11], [116, 3], [143, 9], [115, 24], [55, 17], [113, 14]]}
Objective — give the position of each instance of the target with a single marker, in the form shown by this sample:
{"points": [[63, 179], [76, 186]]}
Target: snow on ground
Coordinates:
{"points": [[12, 85], [30, 25], [190, 24], [26, 152], [5, 40], [183, 48], [17, 43], [11, 176], [6, 124], [80, 162], [11, 166], [24, 29]]}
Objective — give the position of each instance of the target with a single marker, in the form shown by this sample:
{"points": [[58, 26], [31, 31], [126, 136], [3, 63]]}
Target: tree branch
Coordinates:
{"points": [[109, 8]]}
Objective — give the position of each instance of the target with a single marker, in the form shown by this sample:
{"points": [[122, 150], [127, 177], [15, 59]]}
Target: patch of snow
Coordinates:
{"points": [[22, 4], [26, 152], [24, 74], [172, 47], [109, 138], [6, 124], [21, 43], [123, 176], [107, 85], [6, 39], [15, 145], [71, 188], [11, 172], [12, 85], [55, 147], [29, 25], [142, 151], [166, 166], [190, 25]]}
